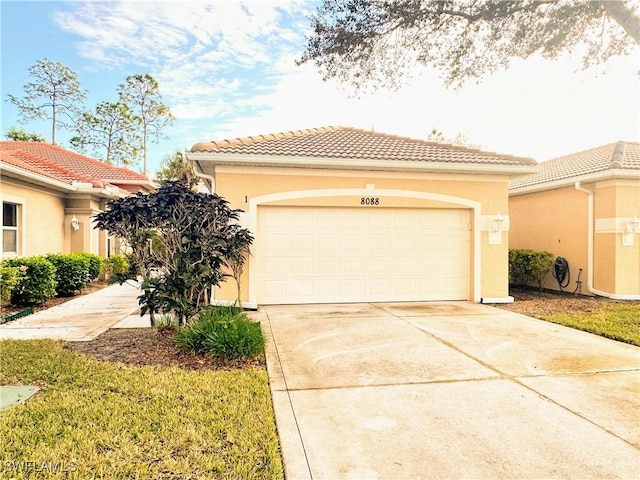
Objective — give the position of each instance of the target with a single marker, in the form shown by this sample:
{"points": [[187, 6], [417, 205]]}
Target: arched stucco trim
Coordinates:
{"points": [[251, 220]]}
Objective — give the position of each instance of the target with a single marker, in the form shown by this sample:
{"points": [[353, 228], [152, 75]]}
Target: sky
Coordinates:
{"points": [[227, 69]]}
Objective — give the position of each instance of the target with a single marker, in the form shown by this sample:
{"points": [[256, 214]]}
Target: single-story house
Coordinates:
{"points": [[584, 207], [49, 195], [348, 215]]}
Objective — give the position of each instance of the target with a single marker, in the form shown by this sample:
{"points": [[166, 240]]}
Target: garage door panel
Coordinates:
{"points": [[350, 220], [379, 243], [406, 243], [275, 288], [352, 242], [403, 286], [404, 264], [300, 290], [275, 243], [354, 287], [327, 265], [275, 265], [300, 243], [327, 288], [328, 254], [353, 265], [379, 286], [328, 242], [300, 265], [381, 265]]}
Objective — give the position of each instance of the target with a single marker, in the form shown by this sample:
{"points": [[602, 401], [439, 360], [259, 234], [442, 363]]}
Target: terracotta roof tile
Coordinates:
{"points": [[620, 155], [26, 161], [351, 143], [66, 166]]}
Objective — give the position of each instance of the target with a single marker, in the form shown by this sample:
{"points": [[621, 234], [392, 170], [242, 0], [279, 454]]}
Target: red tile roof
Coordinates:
{"points": [[620, 155], [352, 143], [65, 166]]}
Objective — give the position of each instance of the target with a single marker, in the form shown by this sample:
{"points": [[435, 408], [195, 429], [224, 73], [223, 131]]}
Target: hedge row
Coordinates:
{"points": [[34, 280], [529, 266]]}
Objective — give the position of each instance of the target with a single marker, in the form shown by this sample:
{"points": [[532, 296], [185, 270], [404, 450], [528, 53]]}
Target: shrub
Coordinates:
{"points": [[72, 272], [116, 265], [9, 279], [96, 264], [526, 266], [38, 283], [222, 331]]}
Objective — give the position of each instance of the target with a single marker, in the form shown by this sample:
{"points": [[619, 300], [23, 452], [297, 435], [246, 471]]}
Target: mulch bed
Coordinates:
{"points": [[145, 346], [535, 303]]}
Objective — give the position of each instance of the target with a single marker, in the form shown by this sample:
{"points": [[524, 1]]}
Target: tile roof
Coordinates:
{"points": [[620, 155], [65, 166], [352, 143]]}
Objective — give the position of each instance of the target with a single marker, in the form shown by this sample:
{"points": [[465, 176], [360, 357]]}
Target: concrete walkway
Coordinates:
{"points": [[82, 318], [448, 390]]}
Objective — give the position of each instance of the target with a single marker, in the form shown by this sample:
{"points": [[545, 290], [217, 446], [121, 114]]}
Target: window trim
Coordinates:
{"points": [[20, 204]]}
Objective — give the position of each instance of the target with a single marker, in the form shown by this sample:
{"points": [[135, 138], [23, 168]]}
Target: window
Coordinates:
{"points": [[9, 228]]}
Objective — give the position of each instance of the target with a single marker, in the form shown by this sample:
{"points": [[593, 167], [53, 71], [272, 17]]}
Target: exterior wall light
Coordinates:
{"points": [[497, 223], [75, 223], [495, 230], [633, 227]]}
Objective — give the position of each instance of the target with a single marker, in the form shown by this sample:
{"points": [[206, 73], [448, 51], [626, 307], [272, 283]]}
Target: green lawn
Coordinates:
{"points": [[620, 322], [110, 420]]}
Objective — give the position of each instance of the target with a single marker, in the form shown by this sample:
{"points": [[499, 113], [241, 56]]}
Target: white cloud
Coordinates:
{"points": [[226, 69]]}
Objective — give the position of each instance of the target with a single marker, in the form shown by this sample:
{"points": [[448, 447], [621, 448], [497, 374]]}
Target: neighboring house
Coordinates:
{"points": [[348, 215], [584, 207], [49, 195]]}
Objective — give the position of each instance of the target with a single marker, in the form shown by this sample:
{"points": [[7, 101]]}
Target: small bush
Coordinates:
{"points": [[526, 266], [37, 283], [222, 331], [72, 272], [116, 265], [96, 264], [9, 279]]}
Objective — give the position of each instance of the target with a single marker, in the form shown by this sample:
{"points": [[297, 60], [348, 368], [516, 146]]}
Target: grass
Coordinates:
{"points": [[110, 420], [222, 331], [619, 322]]}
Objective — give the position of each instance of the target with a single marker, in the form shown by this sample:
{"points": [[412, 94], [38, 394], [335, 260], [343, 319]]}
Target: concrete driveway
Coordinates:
{"points": [[448, 390]]}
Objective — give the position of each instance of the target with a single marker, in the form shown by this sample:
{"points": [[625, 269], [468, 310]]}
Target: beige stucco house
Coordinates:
{"points": [[348, 215], [49, 195], [584, 207]]}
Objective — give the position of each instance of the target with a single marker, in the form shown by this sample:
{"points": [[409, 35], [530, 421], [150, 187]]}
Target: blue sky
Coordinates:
{"points": [[227, 69]]}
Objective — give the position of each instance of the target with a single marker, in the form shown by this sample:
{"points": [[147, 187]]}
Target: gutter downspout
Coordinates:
{"points": [[590, 255], [199, 174], [578, 186]]}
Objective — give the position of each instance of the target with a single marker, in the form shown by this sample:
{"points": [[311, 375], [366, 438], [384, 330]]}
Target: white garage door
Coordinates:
{"points": [[332, 255]]}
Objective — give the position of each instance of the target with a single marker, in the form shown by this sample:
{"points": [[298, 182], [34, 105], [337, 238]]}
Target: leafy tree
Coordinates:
{"points": [[176, 167], [377, 42], [54, 94], [141, 93], [179, 241], [110, 132], [460, 140], [19, 135]]}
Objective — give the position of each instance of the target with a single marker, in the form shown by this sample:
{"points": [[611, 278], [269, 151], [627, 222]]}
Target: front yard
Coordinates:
{"points": [[97, 419], [616, 319]]}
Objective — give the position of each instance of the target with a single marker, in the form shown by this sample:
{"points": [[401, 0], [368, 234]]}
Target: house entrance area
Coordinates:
{"points": [[370, 254]]}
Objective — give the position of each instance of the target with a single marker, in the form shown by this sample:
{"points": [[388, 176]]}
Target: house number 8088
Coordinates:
{"points": [[370, 201]]}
